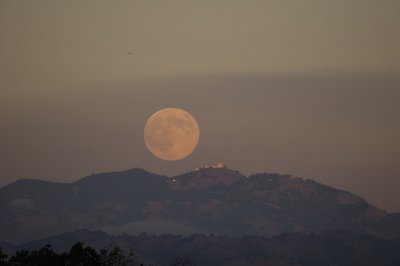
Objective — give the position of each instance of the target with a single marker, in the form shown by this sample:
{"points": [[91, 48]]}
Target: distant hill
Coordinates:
{"points": [[338, 247], [217, 201]]}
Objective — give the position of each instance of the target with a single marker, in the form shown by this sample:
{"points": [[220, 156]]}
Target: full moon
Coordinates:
{"points": [[171, 134]]}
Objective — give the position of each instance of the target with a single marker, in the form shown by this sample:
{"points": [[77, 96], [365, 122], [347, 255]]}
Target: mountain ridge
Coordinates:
{"points": [[219, 201]]}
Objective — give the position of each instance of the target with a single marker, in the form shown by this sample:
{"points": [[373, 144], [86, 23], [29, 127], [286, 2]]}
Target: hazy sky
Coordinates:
{"points": [[308, 88]]}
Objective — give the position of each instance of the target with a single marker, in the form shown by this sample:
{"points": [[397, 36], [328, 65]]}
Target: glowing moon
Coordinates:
{"points": [[171, 134]]}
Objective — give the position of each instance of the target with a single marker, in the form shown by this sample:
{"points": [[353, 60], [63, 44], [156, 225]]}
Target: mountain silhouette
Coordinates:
{"points": [[210, 201]]}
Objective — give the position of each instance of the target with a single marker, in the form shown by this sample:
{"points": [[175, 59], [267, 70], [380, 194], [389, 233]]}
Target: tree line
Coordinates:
{"points": [[79, 255]]}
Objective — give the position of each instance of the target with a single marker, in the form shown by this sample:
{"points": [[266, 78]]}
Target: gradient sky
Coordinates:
{"points": [[308, 88]]}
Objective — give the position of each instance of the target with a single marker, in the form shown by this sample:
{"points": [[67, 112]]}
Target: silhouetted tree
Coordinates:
{"points": [[21, 258], [43, 256], [82, 256], [116, 257], [3, 259], [79, 255], [46, 256]]}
